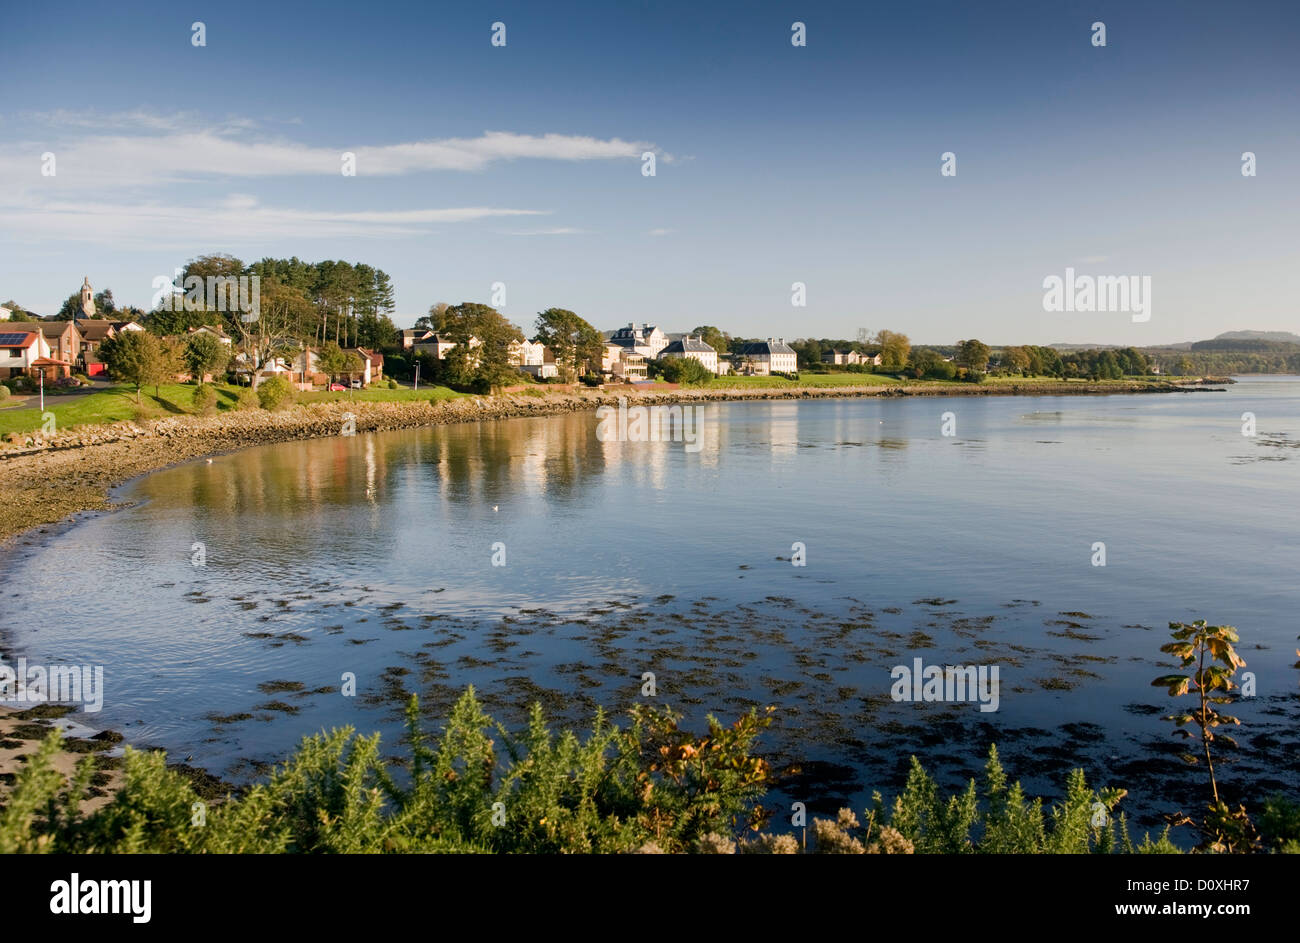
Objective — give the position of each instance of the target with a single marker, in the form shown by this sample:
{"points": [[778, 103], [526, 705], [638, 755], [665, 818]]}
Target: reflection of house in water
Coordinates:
{"points": [[783, 428]]}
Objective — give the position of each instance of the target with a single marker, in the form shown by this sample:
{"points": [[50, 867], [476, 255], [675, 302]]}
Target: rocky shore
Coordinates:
{"points": [[46, 480]]}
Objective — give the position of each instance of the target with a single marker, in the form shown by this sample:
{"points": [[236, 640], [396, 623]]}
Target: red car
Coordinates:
{"points": [[337, 387]]}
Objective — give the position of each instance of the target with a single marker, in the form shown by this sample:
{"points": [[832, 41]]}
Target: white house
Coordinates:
{"points": [[415, 335], [208, 329], [438, 345], [534, 359], [692, 347], [644, 339], [26, 353], [763, 358]]}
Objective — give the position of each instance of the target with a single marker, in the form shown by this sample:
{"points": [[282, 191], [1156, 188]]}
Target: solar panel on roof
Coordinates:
{"points": [[11, 340]]}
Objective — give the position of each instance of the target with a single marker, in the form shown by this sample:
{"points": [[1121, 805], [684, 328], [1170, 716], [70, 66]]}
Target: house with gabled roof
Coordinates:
{"points": [[27, 353], [63, 337], [763, 358], [692, 347]]}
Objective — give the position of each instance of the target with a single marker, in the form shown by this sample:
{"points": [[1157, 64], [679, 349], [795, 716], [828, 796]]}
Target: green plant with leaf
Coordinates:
{"points": [[1209, 647]]}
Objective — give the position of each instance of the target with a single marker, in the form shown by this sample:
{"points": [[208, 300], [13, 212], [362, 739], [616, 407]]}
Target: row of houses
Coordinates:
{"points": [[534, 359], [56, 348], [302, 368], [628, 349]]}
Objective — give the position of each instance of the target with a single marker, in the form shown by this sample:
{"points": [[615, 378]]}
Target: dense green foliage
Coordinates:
{"points": [[649, 787], [276, 392], [685, 370]]}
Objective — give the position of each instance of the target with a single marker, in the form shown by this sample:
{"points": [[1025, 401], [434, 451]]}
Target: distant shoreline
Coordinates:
{"points": [[74, 471]]}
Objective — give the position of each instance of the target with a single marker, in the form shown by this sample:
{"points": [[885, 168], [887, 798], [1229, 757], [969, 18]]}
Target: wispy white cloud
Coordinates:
{"points": [[164, 224], [658, 232], [180, 153], [556, 231], [117, 173]]}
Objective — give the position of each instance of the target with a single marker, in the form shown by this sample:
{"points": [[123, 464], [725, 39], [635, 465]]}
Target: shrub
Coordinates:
{"points": [[942, 370], [275, 393], [392, 384], [687, 371], [4, 393], [591, 379], [205, 399], [614, 790], [247, 398]]}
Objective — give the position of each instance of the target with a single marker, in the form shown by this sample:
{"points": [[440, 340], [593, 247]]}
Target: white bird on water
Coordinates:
{"points": [[495, 507], [209, 461]]}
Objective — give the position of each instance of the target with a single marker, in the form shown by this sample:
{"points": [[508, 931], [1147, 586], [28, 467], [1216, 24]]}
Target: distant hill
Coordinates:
{"points": [[1275, 337]]}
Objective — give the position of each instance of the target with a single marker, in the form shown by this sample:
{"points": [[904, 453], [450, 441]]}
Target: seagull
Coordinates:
{"points": [[496, 507], [209, 461]]}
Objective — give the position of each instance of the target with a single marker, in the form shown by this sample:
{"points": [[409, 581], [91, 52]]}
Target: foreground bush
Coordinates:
{"points": [[649, 788], [615, 790]]}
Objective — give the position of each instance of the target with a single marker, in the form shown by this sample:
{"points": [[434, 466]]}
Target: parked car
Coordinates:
{"points": [[337, 387], [356, 384]]}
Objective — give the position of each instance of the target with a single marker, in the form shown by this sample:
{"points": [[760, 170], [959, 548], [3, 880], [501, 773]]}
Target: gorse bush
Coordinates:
{"points": [[613, 791], [650, 787]]}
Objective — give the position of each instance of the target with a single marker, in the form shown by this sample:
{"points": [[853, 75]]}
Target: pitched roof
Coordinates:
{"points": [[17, 338], [769, 346], [48, 328], [95, 330], [688, 345]]}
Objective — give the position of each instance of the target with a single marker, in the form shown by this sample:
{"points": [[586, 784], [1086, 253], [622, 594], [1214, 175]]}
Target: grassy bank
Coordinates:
{"points": [[118, 404]]}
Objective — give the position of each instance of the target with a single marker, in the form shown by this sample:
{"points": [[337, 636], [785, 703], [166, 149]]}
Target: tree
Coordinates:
{"points": [[923, 361], [1017, 359], [332, 360], [973, 355], [1107, 366], [685, 370], [203, 354], [481, 358], [104, 303], [281, 321], [136, 357], [71, 308], [894, 349], [434, 319], [574, 342], [719, 340]]}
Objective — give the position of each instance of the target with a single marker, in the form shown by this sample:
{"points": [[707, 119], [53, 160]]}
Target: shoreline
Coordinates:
{"points": [[74, 471]]}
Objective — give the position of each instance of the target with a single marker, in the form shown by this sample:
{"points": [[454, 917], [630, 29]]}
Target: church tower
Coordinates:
{"points": [[87, 299]]}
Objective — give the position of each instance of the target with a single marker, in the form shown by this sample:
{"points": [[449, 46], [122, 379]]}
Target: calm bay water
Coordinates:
{"points": [[373, 555]]}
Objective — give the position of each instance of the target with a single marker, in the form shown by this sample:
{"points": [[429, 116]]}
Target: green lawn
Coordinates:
{"points": [[805, 379], [117, 404], [433, 393]]}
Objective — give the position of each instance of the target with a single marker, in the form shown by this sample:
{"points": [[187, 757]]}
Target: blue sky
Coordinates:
{"points": [[775, 164]]}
